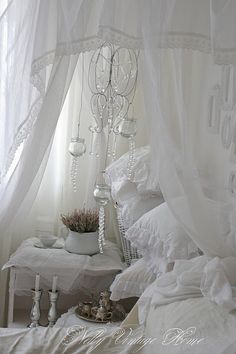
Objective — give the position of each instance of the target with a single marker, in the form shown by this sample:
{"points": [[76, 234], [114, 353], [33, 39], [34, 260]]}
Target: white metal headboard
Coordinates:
{"points": [[129, 252]]}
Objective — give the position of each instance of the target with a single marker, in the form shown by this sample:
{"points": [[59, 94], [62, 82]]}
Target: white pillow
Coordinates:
{"points": [[144, 182], [132, 281], [136, 207], [161, 239], [138, 196]]}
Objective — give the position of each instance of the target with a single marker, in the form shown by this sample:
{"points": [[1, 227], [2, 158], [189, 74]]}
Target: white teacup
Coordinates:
{"points": [[48, 240]]}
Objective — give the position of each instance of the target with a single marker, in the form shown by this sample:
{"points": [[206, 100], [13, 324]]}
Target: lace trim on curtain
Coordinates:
{"points": [[37, 81], [183, 40], [186, 41], [191, 41], [22, 133], [64, 49]]}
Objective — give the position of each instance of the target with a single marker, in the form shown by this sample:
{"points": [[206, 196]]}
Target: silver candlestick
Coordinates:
{"points": [[52, 313], [35, 310]]}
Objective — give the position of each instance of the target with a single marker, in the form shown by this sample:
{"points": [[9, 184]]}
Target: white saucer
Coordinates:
{"points": [[42, 246]]}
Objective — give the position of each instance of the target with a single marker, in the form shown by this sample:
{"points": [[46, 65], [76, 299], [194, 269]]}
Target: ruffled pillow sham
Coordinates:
{"points": [[144, 180], [136, 207], [132, 281], [161, 239], [134, 198]]}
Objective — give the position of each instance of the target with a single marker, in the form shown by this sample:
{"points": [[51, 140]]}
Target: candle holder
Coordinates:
{"points": [[52, 313], [35, 310], [77, 148], [102, 195]]}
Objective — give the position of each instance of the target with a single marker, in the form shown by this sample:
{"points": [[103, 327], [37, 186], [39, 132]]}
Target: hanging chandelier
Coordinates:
{"points": [[112, 80]]}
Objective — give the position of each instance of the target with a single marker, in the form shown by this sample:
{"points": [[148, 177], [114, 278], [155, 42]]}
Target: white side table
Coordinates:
{"points": [[93, 273], [11, 296]]}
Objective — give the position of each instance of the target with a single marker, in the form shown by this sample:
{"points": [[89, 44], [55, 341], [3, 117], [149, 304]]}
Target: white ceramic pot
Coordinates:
{"points": [[84, 243]]}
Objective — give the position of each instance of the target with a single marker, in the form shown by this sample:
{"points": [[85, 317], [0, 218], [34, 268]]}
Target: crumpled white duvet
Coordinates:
{"points": [[213, 278]]}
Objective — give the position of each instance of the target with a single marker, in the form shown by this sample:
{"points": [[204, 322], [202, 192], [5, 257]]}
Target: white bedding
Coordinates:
{"points": [[132, 282], [214, 330], [66, 341]]}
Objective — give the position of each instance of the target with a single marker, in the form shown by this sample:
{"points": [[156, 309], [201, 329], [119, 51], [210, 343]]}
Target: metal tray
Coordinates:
{"points": [[89, 319]]}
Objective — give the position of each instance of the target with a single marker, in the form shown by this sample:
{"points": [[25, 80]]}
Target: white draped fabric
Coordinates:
{"points": [[188, 58], [193, 135]]}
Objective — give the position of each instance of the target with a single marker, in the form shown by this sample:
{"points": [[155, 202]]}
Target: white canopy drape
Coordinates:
{"points": [[190, 98]]}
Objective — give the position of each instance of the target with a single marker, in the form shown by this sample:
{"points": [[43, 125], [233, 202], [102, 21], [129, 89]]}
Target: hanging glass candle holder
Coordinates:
{"points": [[77, 148], [128, 130], [102, 195]]}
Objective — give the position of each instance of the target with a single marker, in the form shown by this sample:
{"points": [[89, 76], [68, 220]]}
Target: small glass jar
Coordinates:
{"points": [[102, 191]]}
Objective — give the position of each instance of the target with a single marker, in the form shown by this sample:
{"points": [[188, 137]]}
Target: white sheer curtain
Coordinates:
{"points": [[194, 166], [193, 134], [41, 79], [29, 114], [42, 41]]}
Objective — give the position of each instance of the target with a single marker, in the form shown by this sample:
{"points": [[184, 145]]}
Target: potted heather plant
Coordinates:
{"points": [[83, 226]]}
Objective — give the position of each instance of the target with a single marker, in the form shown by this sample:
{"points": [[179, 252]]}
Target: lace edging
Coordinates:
{"points": [[38, 82], [65, 49], [22, 133], [171, 40]]}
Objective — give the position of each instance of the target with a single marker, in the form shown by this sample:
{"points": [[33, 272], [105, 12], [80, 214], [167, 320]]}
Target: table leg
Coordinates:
{"points": [[11, 296]]}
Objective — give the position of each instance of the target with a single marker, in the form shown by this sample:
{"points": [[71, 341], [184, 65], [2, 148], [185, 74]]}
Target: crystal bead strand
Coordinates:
{"points": [[114, 148], [101, 232], [74, 172], [109, 150], [131, 161], [91, 152], [77, 146]]}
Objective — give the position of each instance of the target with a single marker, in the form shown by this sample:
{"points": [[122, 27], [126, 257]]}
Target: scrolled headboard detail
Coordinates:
{"points": [[129, 252]]}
